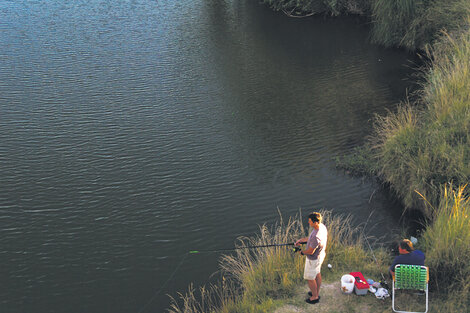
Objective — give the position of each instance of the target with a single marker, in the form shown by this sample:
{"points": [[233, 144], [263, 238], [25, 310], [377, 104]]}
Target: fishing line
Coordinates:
{"points": [[204, 251], [372, 251], [164, 284], [373, 255], [241, 248]]}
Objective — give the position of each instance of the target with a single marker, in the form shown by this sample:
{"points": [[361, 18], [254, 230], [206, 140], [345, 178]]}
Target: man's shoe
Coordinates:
{"points": [[312, 301], [310, 294]]}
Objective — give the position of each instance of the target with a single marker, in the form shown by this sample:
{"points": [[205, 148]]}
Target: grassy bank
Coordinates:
{"points": [[329, 7], [424, 145], [270, 279], [415, 24], [401, 23]]}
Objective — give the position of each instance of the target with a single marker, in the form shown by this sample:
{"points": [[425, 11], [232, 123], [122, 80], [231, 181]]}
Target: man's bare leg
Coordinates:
{"points": [[318, 283], [312, 284]]}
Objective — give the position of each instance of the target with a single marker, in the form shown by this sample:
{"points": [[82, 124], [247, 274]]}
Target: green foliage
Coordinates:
{"points": [[446, 241], [262, 274], [413, 149], [416, 23], [392, 19], [433, 17], [267, 273], [360, 162], [330, 7], [412, 24], [206, 299]]}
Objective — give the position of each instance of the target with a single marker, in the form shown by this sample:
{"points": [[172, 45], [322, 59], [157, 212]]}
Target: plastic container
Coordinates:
{"points": [[347, 284], [360, 284]]}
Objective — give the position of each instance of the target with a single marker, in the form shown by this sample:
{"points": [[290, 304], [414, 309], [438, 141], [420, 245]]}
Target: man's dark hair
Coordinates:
{"points": [[315, 217], [407, 245]]}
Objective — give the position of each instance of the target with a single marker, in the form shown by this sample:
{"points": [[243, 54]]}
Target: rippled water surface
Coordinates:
{"points": [[132, 131]]}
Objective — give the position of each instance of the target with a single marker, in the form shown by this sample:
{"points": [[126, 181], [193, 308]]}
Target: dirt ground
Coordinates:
{"points": [[333, 300]]}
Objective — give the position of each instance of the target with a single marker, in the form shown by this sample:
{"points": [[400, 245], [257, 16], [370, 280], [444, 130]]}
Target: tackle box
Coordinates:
{"points": [[360, 284]]}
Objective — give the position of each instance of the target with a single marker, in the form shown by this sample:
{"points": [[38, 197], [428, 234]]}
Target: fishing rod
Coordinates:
{"points": [[384, 280], [247, 247], [376, 262]]}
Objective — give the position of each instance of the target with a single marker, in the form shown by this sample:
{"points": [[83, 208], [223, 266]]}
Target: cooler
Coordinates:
{"points": [[360, 285]]}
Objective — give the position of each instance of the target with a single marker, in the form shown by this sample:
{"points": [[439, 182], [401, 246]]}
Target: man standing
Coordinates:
{"points": [[408, 255], [315, 252]]}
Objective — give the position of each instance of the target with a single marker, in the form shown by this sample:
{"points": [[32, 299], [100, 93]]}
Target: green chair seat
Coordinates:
{"points": [[410, 277]]}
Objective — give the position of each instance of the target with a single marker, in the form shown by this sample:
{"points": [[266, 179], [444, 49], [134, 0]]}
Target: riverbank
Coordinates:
{"points": [[425, 143]]}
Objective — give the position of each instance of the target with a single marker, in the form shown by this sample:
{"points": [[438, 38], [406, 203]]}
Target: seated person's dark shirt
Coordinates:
{"points": [[415, 257]]}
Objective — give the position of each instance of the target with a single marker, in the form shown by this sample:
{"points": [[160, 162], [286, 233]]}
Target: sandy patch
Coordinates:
{"points": [[333, 300]]}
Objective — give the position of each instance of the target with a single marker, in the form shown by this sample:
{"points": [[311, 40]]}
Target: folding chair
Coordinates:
{"points": [[410, 277]]}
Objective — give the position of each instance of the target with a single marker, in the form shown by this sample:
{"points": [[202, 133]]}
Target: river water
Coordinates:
{"points": [[132, 131]]}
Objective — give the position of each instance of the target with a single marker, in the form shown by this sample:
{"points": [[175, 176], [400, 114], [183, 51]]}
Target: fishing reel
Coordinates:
{"points": [[296, 249]]}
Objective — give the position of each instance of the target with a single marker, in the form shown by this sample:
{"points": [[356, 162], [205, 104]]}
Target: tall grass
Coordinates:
{"points": [[391, 20], [206, 299], [266, 272], [447, 238], [433, 17], [258, 279], [446, 241], [414, 24], [258, 275], [329, 7]]}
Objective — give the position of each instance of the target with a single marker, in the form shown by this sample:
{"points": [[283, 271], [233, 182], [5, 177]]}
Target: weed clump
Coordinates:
{"points": [[328, 7], [415, 24], [446, 241]]}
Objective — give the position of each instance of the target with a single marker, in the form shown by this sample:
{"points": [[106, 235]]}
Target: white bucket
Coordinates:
{"points": [[347, 284]]}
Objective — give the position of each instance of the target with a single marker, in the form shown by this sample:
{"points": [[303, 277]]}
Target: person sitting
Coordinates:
{"points": [[408, 255]]}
